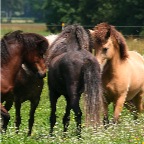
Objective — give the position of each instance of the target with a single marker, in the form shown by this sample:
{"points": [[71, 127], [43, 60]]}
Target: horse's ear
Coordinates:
{"points": [[91, 32], [82, 37], [108, 33]]}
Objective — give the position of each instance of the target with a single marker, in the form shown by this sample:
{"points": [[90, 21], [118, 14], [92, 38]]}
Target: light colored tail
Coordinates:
{"points": [[93, 93]]}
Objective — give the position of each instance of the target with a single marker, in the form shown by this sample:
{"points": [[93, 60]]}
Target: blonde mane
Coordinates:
{"points": [[103, 31]]}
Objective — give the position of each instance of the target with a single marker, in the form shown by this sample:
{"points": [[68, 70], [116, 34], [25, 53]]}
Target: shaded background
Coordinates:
{"points": [[127, 15]]}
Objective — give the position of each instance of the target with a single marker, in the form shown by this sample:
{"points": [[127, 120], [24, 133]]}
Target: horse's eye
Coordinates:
{"points": [[105, 49]]}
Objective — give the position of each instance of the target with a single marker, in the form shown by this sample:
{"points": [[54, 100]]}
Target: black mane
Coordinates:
{"points": [[73, 37]]}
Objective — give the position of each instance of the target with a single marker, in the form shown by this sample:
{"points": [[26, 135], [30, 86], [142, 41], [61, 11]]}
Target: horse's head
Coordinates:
{"points": [[73, 37], [108, 43], [34, 57]]}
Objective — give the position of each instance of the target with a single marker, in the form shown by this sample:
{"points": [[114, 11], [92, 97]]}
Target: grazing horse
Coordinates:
{"points": [[122, 71], [27, 87], [18, 48], [73, 70]]}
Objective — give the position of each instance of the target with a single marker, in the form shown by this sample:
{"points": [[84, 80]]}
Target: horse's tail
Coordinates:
{"points": [[93, 92]]}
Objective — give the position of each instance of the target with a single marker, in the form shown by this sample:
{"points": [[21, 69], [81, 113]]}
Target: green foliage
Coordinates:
{"points": [[85, 12]]}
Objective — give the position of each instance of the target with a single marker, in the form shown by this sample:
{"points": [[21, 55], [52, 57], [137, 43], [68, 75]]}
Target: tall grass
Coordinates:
{"points": [[127, 131]]}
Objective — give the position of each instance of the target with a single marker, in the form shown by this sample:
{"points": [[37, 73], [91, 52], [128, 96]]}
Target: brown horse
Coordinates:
{"points": [[27, 87], [18, 48], [73, 71], [122, 71]]}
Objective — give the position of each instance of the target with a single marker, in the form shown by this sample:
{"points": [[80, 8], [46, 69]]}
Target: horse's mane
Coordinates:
{"points": [[35, 41], [29, 40], [78, 39], [4, 47], [91, 42], [80, 33], [103, 31]]}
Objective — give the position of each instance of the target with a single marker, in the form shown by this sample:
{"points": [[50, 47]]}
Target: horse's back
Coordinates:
{"points": [[136, 70], [136, 63], [63, 69], [136, 56], [68, 68]]}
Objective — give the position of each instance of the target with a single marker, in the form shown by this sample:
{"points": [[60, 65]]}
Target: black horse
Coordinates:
{"points": [[72, 71], [27, 87]]}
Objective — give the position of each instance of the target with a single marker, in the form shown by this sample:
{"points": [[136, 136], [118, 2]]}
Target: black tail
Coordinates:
{"points": [[93, 92]]}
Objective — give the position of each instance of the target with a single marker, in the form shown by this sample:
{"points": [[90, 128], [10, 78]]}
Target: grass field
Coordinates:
{"points": [[36, 28], [127, 132]]}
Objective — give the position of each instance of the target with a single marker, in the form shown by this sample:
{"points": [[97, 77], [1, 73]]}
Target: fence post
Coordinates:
{"points": [[63, 24]]}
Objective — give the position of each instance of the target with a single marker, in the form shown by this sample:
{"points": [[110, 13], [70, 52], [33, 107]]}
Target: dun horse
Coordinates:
{"points": [[18, 48], [27, 87], [72, 71], [122, 71]]}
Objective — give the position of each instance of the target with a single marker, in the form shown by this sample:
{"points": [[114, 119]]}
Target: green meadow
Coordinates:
{"points": [[127, 131]]}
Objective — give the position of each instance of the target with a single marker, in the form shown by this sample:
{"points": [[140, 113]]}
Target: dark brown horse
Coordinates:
{"points": [[72, 71], [27, 87], [18, 48]]}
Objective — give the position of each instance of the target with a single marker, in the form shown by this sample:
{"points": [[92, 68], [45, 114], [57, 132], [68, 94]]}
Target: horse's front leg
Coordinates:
{"points": [[32, 112], [118, 106], [18, 116]]}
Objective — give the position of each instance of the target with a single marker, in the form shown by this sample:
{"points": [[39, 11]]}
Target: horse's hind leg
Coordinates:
{"points": [[105, 119], [137, 101], [53, 101], [66, 117], [32, 112], [18, 116], [76, 108]]}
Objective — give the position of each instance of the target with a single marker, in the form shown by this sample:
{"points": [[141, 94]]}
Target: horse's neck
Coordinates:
{"points": [[12, 68], [111, 66]]}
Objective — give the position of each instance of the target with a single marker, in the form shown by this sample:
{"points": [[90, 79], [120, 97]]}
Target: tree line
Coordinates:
{"points": [[85, 12]]}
